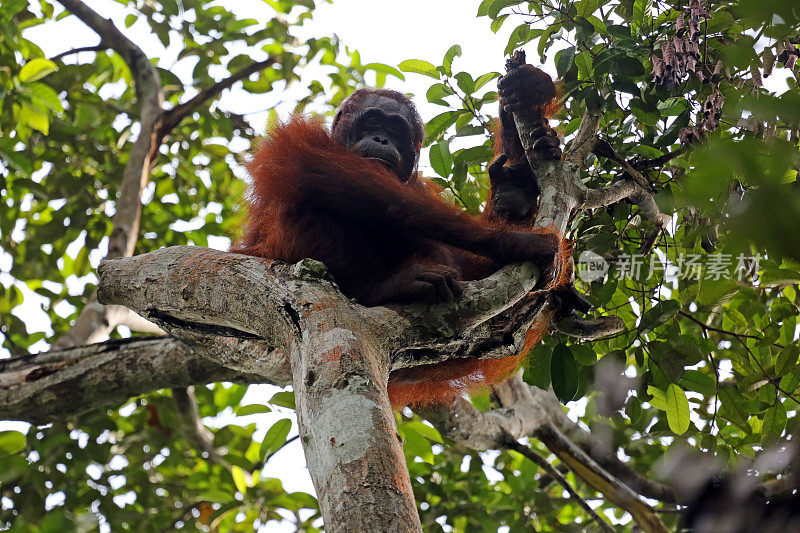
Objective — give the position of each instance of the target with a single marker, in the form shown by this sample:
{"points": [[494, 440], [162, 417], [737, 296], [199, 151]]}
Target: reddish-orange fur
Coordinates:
{"points": [[282, 226], [444, 382]]}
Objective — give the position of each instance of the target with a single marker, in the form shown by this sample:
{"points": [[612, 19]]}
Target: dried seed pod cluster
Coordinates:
{"points": [[681, 54], [786, 53], [707, 121]]}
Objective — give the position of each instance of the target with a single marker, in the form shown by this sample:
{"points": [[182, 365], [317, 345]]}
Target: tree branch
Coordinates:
{"points": [[58, 385], [603, 149], [627, 189], [633, 186], [590, 328], [94, 320], [542, 463], [96, 48], [171, 118], [660, 161], [188, 289], [195, 294], [597, 450], [520, 416], [197, 432], [599, 479], [586, 137], [150, 98], [528, 411]]}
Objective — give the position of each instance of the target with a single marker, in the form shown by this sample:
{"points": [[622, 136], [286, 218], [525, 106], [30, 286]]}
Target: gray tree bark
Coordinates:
{"points": [[235, 317]]}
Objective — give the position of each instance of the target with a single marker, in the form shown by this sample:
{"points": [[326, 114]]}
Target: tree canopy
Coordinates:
{"points": [[698, 105]]}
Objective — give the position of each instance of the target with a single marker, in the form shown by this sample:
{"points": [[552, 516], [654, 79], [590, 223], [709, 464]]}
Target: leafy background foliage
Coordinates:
{"points": [[712, 364]]}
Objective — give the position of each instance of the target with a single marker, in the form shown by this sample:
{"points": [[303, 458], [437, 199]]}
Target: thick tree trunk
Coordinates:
{"points": [[256, 320], [347, 426]]}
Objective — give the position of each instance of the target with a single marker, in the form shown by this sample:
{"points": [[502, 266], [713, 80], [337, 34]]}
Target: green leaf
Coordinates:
{"points": [[544, 39], [734, 406], [538, 371], [36, 69], [34, 119], [239, 479], [584, 354], [439, 123], [619, 31], [696, 381], [420, 67], [130, 20], [484, 79], [483, 9], [416, 445], [252, 409], [437, 92], [659, 314], [424, 430], [625, 65], [564, 60], [648, 118], [498, 23], [677, 407], [586, 7], [447, 62], [499, 5], [786, 360], [564, 373], [625, 8], [774, 423], [217, 150], [385, 69], [481, 400], [12, 442], [645, 151], [519, 35], [673, 107], [283, 399], [441, 159], [275, 437], [659, 399], [45, 96], [11, 8], [465, 82]]}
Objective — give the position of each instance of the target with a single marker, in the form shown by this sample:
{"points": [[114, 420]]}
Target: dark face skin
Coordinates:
{"points": [[382, 130]]}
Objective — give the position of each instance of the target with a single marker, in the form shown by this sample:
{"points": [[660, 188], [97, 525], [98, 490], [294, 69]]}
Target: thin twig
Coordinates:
{"points": [[170, 119], [706, 327], [646, 164], [604, 149], [774, 381], [542, 463], [600, 479], [259, 465], [96, 48], [197, 432]]}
